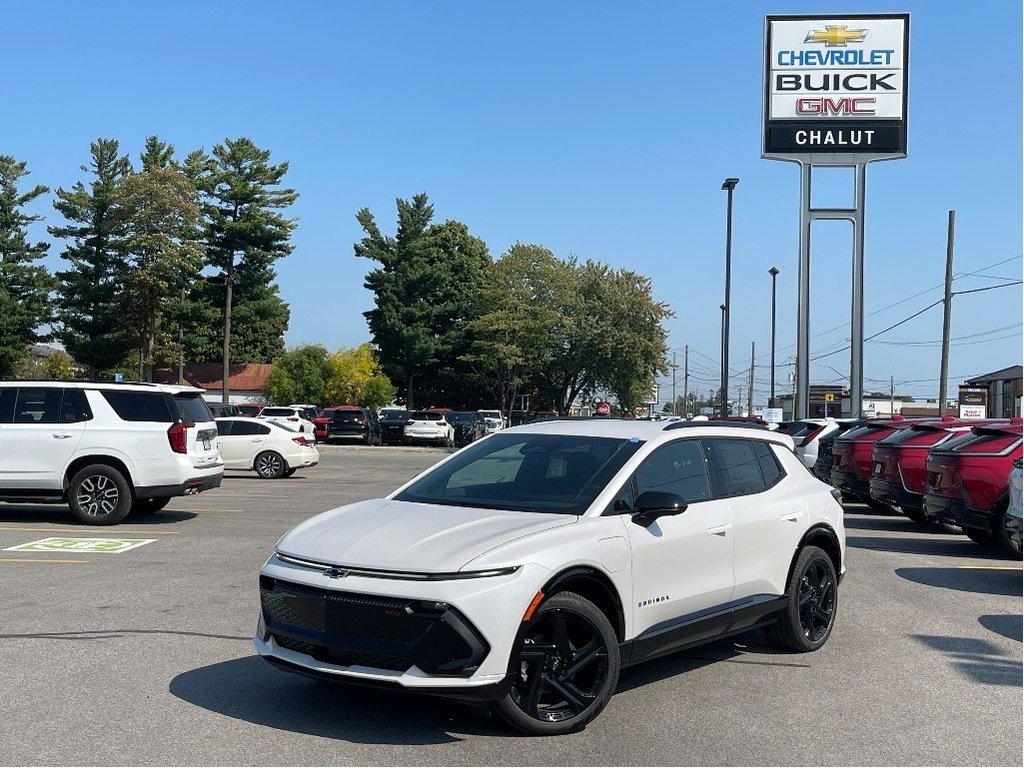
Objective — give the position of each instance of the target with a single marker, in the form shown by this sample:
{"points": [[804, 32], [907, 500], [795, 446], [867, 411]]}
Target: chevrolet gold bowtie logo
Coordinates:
{"points": [[836, 36]]}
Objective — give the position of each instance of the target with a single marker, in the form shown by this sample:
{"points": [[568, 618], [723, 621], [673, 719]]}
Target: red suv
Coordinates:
{"points": [[851, 457], [967, 482], [898, 471]]}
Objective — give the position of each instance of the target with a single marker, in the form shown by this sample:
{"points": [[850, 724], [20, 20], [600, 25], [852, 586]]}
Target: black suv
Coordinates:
{"points": [[350, 422], [392, 427], [462, 421]]}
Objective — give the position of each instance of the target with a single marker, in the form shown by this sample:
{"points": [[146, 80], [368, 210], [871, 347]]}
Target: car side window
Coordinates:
{"points": [[678, 468], [75, 407], [38, 405], [771, 470], [225, 427], [7, 397], [735, 467], [248, 428]]}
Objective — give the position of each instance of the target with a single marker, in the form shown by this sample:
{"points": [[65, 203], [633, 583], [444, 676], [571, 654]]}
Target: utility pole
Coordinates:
{"points": [[686, 380], [739, 401], [750, 389], [673, 367], [947, 311], [892, 397]]}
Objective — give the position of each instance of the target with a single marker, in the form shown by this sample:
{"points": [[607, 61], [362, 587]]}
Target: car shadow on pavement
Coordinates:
{"points": [[898, 524], [251, 690], [982, 580], [59, 514], [952, 545], [1006, 624], [978, 659]]}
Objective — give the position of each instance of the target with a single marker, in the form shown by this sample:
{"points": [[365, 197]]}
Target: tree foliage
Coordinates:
{"points": [[160, 251], [89, 326], [354, 376], [425, 290], [245, 234], [299, 376], [25, 284]]}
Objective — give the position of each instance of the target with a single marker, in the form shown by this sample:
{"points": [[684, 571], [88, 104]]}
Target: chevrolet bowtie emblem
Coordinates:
{"points": [[335, 573], [837, 36]]}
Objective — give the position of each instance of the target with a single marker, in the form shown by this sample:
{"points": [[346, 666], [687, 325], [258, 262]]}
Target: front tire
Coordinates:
{"points": [[270, 465], [811, 602], [99, 495], [564, 668]]}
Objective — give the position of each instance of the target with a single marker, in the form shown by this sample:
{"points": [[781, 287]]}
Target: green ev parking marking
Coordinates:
{"points": [[68, 544]]}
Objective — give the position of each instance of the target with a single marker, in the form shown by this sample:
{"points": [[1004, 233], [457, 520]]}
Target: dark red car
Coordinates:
{"points": [[851, 457], [898, 462], [967, 482]]}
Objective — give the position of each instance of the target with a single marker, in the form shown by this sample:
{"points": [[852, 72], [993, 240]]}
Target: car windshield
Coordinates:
{"points": [[460, 417], [490, 414], [396, 416], [525, 473]]}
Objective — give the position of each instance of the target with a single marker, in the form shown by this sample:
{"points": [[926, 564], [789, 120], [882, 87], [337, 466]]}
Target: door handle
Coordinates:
{"points": [[719, 530], [791, 516], [257, 439], [62, 435]]}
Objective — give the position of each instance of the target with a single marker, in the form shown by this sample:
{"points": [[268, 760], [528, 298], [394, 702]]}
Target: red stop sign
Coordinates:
{"points": [[603, 409]]}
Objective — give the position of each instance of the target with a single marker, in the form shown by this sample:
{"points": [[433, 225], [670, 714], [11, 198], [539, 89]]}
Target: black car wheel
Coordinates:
{"points": [[1008, 530], [99, 495], [270, 465], [564, 668], [811, 602]]}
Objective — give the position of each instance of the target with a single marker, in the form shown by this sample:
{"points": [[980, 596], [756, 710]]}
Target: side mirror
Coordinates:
{"points": [[650, 505]]}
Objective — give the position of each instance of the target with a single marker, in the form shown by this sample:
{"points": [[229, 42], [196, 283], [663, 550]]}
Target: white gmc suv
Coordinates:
{"points": [[105, 449]]}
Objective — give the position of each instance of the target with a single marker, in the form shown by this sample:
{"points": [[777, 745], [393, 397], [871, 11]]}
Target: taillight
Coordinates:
{"points": [[303, 441], [177, 436]]}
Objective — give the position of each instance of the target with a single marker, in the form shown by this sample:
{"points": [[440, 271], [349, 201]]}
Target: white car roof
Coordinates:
{"points": [[650, 431], [128, 386]]}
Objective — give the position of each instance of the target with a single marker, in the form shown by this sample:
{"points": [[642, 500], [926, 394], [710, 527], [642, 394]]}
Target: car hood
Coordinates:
{"points": [[405, 536]]}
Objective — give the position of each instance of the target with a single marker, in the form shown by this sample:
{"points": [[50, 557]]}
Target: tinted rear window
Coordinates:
{"points": [[425, 416], [278, 412], [143, 406], [193, 408]]}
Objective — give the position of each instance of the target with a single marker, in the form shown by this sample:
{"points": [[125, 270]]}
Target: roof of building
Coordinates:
{"points": [[1013, 372], [242, 377]]}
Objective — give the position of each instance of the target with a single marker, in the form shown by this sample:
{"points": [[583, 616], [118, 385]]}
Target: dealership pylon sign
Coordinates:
{"points": [[835, 86]]}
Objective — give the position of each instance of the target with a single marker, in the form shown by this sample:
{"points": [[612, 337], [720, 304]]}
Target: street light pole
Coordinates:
{"points": [[728, 185], [724, 395], [774, 272]]}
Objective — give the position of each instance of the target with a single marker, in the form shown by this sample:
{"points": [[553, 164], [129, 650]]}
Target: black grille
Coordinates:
{"points": [[347, 628]]}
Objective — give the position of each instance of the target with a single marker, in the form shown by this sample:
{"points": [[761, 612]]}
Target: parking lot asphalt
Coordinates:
{"points": [[144, 657]]}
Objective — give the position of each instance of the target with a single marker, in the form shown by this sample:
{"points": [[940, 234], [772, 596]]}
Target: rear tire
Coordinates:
{"points": [[99, 495], [812, 600], [149, 506], [564, 668], [270, 465]]}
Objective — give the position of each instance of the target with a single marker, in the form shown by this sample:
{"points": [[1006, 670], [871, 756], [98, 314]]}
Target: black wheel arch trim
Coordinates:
{"points": [[562, 581], [834, 551]]}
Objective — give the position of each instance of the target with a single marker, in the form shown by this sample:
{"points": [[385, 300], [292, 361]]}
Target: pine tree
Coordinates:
{"points": [[25, 285], [87, 308], [245, 234]]}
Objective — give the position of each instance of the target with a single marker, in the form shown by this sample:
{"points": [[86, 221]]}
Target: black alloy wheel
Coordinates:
{"points": [[564, 668], [812, 600], [1008, 532]]}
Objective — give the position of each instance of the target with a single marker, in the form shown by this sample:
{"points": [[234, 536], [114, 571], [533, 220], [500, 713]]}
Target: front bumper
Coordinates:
{"points": [[432, 636]]}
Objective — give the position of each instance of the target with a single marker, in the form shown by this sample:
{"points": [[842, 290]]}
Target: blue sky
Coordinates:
{"points": [[600, 130]]}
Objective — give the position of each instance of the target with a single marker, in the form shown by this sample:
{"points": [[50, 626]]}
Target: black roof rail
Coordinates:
{"points": [[716, 423]]}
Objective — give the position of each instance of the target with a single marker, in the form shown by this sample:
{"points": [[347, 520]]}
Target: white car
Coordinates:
{"points": [[105, 449], [808, 433], [531, 566], [288, 416], [272, 450], [493, 421], [1012, 520], [428, 427]]}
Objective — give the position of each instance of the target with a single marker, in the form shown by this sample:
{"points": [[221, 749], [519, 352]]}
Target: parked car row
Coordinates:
{"points": [[950, 473]]}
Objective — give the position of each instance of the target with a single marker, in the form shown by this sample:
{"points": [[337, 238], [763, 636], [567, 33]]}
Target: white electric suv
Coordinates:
{"points": [[528, 568]]}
